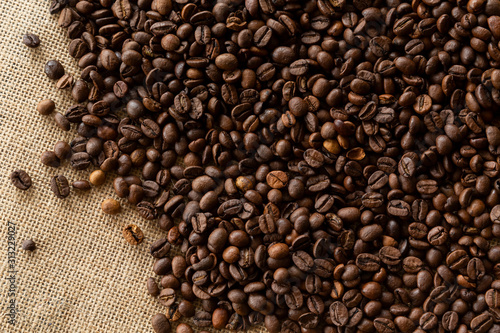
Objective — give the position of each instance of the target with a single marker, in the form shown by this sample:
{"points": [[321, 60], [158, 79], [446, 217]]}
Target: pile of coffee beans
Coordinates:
{"points": [[323, 165]]}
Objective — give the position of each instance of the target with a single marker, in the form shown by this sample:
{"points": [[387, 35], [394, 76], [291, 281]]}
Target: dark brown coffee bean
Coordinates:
{"points": [[147, 210], [378, 180], [80, 161], [399, 208], [59, 185], [28, 245], [299, 67], [495, 214], [492, 298], [54, 70], [82, 185], [152, 287], [303, 261], [31, 40], [390, 255], [262, 36], [160, 248], [65, 82], [481, 323], [21, 179], [339, 314], [368, 262], [62, 122], [384, 325]]}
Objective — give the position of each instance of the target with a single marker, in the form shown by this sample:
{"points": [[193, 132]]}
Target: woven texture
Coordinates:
{"points": [[83, 277]]}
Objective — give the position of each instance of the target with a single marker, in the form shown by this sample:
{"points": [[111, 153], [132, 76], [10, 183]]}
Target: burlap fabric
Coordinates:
{"points": [[83, 277]]}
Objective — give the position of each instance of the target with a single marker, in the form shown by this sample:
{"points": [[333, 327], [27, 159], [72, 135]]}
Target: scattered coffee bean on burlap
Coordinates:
{"points": [[28, 245]]}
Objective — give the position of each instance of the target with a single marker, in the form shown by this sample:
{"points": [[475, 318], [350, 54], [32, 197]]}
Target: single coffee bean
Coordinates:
{"points": [[450, 320], [220, 317], [384, 325], [110, 206], [97, 177], [54, 70], [59, 185], [160, 323], [21, 179], [339, 314], [152, 287], [62, 122], [167, 297], [65, 82], [202, 319], [62, 150], [368, 262], [28, 245], [437, 236], [160, 248], [80, 161], [277, 179], [31, 40], [303, 261], [278, 251], [46, 107], [83, 185], [390, 255], [495, 214], [50, 159], [133, 234]]}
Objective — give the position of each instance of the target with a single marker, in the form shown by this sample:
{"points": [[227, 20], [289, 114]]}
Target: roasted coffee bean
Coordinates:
{"points": [[62, 122], [450, 320], [368, 262], [21, 179], [54, 70], [97, 177], [59, 185], [492, 298], [133, 234], [50, 159], [82, 185], [339, 314], [28, 245], [80, 161], [62, 150], [31, 40], [152, 287], [66, 81], [481, 323], [303, 261], [384, 325], [160, 248], [147, 210], [110, 206], [46, 107], [160, 323], [390, 255], [277, 179]]}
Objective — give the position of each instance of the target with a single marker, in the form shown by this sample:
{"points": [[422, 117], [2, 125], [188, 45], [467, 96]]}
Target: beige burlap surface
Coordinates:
{"points": [[83, 277]]}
